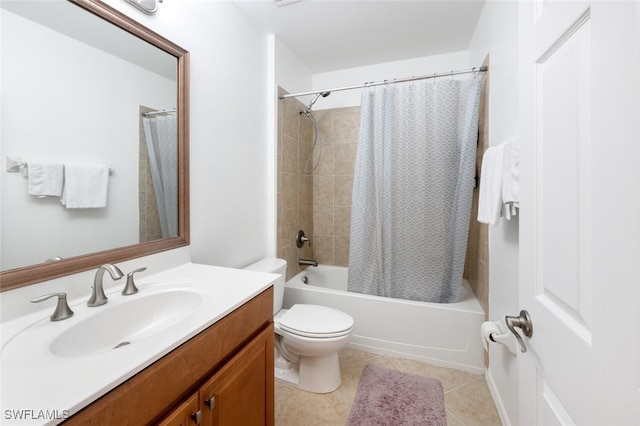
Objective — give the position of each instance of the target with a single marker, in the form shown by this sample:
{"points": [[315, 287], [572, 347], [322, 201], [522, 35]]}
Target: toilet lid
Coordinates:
{"points": [[316, 321]]}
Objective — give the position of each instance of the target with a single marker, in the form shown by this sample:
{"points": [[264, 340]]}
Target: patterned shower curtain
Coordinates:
{"points": [[412, 189], [161, 134]]}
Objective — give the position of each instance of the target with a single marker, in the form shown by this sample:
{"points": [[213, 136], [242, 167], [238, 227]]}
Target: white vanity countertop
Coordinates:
{"points": [[44, 389]]}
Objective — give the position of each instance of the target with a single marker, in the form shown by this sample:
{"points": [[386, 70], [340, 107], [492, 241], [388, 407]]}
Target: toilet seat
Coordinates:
{"points": [[315, 321]]}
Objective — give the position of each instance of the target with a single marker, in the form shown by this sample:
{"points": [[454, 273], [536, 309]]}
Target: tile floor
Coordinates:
{"points": [[467, 398]]}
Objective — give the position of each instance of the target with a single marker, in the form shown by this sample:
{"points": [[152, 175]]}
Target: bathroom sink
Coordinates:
{"points": [[123, 321], [65, 365], [126, 323]]}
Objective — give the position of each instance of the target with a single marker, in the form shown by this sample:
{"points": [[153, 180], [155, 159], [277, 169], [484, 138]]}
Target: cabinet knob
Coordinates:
{"points": [[197, 417], [210, 402]]}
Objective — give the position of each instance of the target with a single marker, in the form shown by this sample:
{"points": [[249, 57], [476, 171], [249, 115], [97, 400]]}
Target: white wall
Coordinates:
{"points": [[229, 129], [497, 35], [290, 73], [64, 114], [379, 72]]}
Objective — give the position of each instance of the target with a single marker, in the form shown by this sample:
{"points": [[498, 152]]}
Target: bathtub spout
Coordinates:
{"points": [[307, 262]]}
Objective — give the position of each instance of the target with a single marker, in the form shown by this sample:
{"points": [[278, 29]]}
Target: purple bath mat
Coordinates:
{"points": [[390, 397]]}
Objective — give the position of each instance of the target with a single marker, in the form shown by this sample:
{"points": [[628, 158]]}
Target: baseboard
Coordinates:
{"points": [[502, 412]]}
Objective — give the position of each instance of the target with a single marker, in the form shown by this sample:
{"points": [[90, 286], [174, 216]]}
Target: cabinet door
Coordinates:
{"points": [[242, 392], [186, 414]]}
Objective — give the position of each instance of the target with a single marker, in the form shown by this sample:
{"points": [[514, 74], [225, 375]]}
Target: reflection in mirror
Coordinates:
{"points": [[86, 87], [158, 172]]}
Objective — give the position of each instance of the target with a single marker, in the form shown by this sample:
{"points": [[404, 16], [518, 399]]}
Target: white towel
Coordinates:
{"points": [[85, 186], [44, 179], [490, 199], [511, 179]]}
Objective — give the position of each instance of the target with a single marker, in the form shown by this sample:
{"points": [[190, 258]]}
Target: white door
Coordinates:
{"points": [[580, 212]]}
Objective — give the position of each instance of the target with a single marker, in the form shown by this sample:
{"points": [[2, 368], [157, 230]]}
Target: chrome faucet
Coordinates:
{"points": [[98, 297], [307, 262]]}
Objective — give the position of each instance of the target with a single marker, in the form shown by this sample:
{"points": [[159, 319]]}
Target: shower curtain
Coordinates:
{"points": [[162, 145], [413, 188]]}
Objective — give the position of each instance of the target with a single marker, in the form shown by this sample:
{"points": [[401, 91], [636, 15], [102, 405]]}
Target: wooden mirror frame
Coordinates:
{"points": [[20, 277]]}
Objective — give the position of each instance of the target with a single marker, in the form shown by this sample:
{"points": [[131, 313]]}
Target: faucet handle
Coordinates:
{"points": [[63, 311], [130, 286], [301, 239]]}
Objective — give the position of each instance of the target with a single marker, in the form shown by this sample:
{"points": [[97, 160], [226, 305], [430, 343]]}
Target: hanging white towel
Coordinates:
{"points": [[490, 198], [85, 186], [511, 179], [44, 179]]}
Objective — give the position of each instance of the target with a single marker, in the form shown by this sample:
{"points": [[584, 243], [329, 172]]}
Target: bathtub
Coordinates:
{"points": [[447, 335]]}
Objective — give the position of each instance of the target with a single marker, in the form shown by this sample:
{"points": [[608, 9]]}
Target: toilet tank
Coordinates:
{"points": [[274, 266]]}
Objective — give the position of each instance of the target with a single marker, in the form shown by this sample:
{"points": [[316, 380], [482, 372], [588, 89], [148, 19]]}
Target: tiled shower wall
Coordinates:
{"points": [[321, 204], [295, 188], [332, 184]]}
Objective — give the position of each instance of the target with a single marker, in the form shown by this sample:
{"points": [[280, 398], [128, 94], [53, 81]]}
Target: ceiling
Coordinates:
{"points": [[328, 35]]}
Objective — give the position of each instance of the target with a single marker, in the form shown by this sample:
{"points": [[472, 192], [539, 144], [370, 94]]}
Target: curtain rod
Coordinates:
{"points": [[380, 83], [164, 111]]}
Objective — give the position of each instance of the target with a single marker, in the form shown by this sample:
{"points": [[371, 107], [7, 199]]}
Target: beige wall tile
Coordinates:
{"points": [[346, 125], [341, 221], [323, 249], [323, 220], [344, 158], [305, 190], [290, 190], [325, 166], [343, 188], [305, 129], [290, 225], [290, 152], [295, 188], [323, 190], [341, 251], [290, 108]]}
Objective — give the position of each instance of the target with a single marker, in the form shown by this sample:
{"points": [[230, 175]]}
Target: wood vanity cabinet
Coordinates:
{"points": [[235, 395], [231, 361]]}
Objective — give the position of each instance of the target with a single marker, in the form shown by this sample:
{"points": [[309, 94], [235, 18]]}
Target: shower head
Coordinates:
{"points": [[307, 111], [315, 98]]}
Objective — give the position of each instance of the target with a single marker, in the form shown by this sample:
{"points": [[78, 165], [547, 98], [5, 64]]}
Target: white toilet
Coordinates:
{"points": [[307, 337]]}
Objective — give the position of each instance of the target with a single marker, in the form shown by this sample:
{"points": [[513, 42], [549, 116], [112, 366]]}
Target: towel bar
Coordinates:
{"points": [[14, 165]]}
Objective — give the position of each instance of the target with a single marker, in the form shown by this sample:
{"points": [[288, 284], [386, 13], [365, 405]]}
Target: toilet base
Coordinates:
{"points": [[288, 375], [312, 374]]}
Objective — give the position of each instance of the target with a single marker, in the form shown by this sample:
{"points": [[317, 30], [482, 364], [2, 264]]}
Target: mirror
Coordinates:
{"points": [[80, 99]]}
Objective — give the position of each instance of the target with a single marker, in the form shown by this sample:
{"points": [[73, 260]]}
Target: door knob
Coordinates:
{"points": [[524, 323]]}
